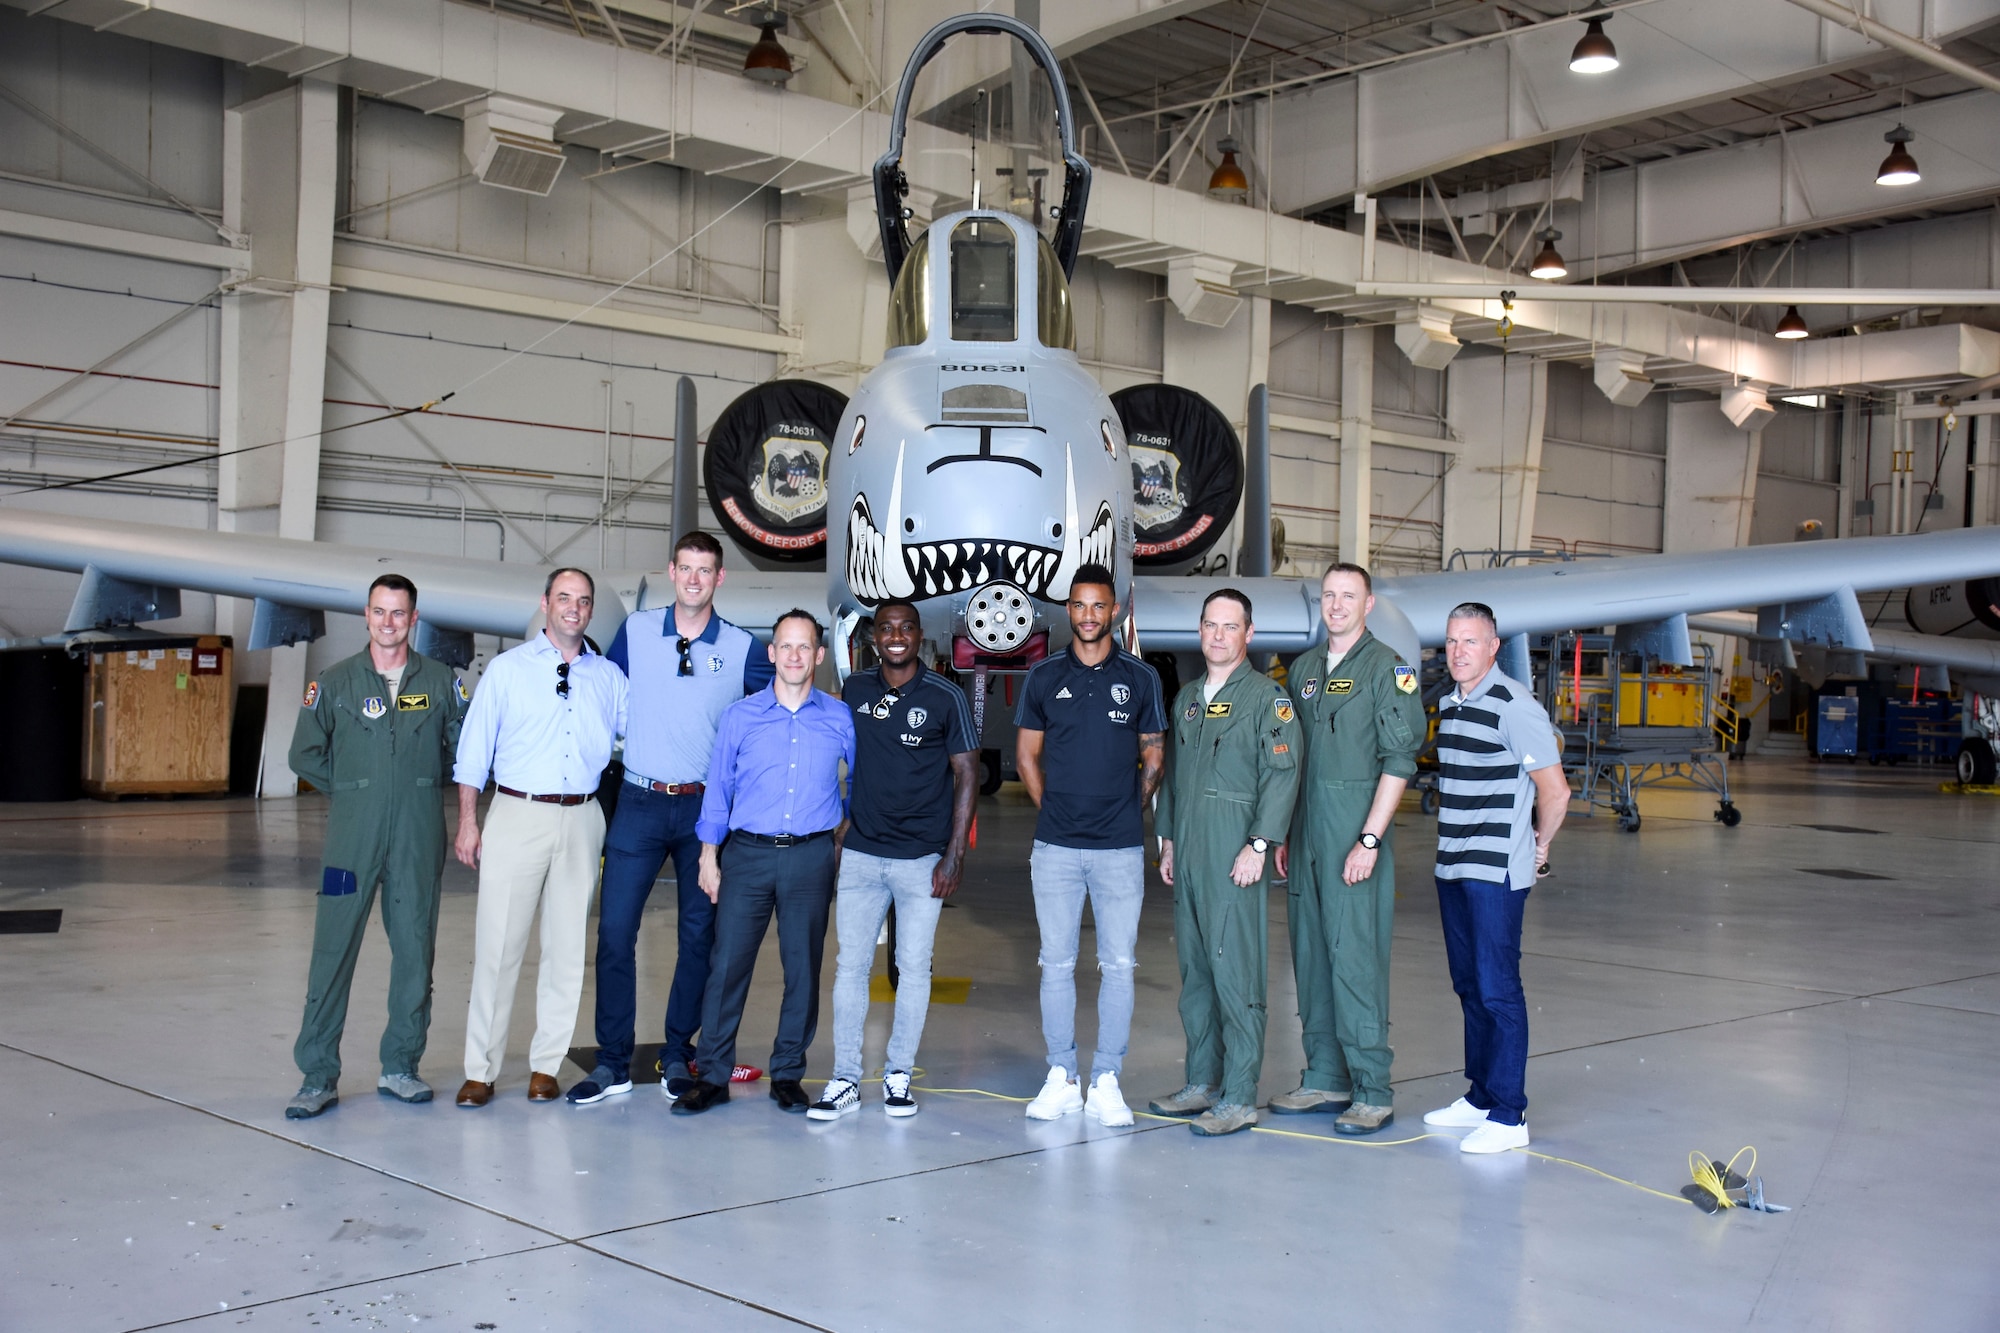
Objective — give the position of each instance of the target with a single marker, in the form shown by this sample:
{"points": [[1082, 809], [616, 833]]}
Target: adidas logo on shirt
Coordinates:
{"points": [[1064, 693]]}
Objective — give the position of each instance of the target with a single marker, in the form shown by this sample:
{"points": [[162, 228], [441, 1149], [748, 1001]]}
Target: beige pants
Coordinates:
{"points": [[532, 854]]}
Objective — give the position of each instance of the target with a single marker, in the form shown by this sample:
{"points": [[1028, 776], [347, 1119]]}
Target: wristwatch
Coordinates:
{"points": [[1260, 845], [1370, 841]]}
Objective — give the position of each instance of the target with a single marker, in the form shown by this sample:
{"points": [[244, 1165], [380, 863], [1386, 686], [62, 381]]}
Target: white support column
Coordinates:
{"points": [[1357, 442], [1711, 482], [1489, 497], [1985, 469], [280, 168], [1221, 365]]}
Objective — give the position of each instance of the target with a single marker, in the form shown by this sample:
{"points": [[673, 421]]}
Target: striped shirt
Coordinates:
{"points": [[1490, 738]]}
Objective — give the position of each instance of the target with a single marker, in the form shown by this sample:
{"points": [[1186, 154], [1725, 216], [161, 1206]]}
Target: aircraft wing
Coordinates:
{"points": [[476, 596], [1975, 660]]}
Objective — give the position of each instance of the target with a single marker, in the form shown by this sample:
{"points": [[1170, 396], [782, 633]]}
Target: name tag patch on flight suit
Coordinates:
{"points": [[1283, 707], [1309, 689], [1218, 710], [413, 703], [373, 708], [334, 882], [312, 696], [1406, 679], [1340, 687]]}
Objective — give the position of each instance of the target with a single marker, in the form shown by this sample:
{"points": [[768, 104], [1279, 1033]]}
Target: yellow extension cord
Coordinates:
{"points": [[1399, 1143]]}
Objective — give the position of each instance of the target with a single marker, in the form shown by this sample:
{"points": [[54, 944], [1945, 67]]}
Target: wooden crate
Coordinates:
{"points": [[156, 717]]}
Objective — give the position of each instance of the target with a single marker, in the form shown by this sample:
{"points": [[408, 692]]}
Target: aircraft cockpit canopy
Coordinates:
{"points": [[983, 289]]}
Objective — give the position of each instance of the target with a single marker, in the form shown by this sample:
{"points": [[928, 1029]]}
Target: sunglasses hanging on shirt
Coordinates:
{"points": [[562, 680], [886, 703], [686, 646]]}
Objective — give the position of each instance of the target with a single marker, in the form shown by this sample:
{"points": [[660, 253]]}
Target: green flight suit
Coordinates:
{"points": [[384, 761], [1231, 775], [1359, 719]]}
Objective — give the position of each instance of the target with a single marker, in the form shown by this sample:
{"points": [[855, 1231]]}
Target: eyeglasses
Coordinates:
{"points": [[562, 679], [686, 645], [886, 703]]}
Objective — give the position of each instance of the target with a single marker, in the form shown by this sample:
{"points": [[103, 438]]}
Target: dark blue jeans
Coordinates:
{"points": [[1482, 944], [649, 827], [796, 883]]}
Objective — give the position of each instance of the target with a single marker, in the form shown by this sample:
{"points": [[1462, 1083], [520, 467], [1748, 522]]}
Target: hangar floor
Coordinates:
{"points": [[1819, 982]]}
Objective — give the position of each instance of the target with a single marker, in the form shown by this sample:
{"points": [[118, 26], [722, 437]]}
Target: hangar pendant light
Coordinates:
{"points": [[1899, 168], [1549, 263], [768, 62], [1594, 53], [1228, 181], [1793, 325]]}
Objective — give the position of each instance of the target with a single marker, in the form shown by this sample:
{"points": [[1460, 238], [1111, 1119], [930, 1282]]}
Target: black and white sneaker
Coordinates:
{"points": [[896, 1098], [840, 1097]]}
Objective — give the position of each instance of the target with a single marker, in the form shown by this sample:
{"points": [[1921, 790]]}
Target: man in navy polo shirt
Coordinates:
{"points": [[916, 776], [1087, 717], [686, 665]]}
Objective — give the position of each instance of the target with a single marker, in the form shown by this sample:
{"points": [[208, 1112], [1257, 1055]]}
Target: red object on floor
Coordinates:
{"points": [[740, 1074]]}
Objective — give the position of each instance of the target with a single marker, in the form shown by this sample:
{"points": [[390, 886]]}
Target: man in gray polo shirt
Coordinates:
{"points": [[1498, 763], [686, 664]]}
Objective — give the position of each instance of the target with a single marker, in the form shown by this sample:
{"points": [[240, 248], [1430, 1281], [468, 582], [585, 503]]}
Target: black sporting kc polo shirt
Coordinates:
{"points": [[1091, 719], [900, 801]]}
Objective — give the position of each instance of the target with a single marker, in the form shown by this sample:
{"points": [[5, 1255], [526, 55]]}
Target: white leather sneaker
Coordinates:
{"points": [[1492, 1137], [1059, 1097], [1105, 1102], [1461, 1114]]}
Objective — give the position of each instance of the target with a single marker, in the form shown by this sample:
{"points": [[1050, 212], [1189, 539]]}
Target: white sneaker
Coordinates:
{"points": [[1059, 1097], [1106, 1104], [1461, 1114], [1495, 1137], [896, 1098]]}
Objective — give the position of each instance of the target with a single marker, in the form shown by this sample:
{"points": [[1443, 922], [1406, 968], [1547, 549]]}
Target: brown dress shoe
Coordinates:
{"points": [[543, 1088], [475, 1093]]}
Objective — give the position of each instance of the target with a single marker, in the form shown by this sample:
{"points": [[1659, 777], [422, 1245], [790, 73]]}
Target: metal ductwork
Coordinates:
{"points": [[1746, 407], [1198, 285], [1426, 338], [511, 144], [1621, 376]]}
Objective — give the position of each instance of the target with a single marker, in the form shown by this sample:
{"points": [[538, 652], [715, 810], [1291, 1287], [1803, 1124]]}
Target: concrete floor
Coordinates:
{"points": [[1691, 987]]}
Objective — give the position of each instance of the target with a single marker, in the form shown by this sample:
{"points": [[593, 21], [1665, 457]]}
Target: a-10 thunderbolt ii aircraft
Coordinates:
{"points": [[973, 472]]}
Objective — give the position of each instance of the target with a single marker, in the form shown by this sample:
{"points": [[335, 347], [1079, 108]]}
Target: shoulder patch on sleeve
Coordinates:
{"points": [[464, 695], [1406, 679], [1282, 706], [312, 696]]}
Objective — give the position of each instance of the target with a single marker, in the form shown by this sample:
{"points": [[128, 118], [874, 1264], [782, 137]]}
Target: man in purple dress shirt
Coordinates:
{"points": [[771, 823]]}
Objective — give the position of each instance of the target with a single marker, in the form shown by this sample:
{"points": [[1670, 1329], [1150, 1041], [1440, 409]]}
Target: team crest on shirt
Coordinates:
{"points": [[1309, 689], [1282, 707], [714, 665], [1121, 694], [1406, 679], [373, 708], [916, 717], [312, 696]]}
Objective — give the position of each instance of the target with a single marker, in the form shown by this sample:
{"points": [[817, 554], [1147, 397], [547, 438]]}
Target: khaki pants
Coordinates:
{"points": [[533, 855]]}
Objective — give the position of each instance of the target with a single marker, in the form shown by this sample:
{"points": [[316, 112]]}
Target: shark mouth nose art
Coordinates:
{"points": [[881, 566]]}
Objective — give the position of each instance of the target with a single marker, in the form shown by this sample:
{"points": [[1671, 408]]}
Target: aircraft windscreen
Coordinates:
{"points": [[982, 282]]}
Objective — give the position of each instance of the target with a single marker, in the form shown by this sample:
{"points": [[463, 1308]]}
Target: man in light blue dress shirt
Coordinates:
{"points": [[771, 822], [541, 726]]}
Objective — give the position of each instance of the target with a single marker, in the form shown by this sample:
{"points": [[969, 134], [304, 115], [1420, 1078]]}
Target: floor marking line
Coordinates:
{"points": [[557, 1236]]}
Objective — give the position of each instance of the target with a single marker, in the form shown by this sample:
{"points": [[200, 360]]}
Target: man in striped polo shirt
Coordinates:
{"points": [[1498, 763]]}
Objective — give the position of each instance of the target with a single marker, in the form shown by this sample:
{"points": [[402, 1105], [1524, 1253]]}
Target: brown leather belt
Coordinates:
{"points": [[666, 788], [557, 798]]}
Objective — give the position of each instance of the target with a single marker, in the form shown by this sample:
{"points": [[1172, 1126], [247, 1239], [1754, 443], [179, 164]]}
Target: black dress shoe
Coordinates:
{"points": [[700, 1097], [789, 1094]]}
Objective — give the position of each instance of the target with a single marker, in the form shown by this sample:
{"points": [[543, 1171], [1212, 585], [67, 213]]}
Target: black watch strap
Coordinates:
{"points": [[1260, 845], [1370, 841]]}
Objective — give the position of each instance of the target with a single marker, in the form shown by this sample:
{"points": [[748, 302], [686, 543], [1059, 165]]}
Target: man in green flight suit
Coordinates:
{"points": [[1361, 724], [377, 732], [1232, 774]]}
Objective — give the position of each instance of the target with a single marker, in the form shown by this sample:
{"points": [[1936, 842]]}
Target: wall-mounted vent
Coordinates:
{"points": [[511, 144]]}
